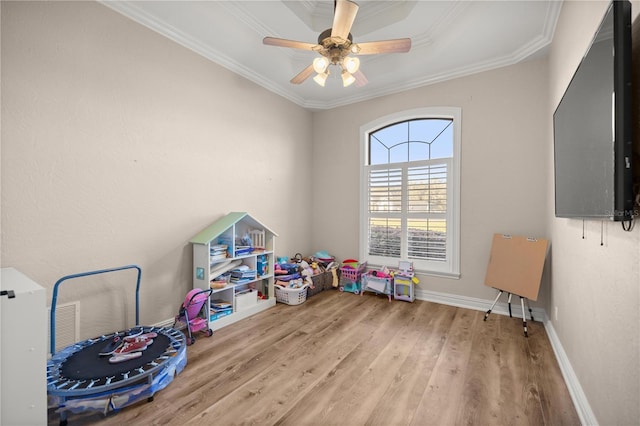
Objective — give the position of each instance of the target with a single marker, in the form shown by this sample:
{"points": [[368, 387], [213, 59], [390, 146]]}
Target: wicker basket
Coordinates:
{"points": [[291, 296]]}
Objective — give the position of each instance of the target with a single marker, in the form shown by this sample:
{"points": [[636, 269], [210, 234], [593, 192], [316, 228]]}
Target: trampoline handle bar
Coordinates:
{"points": [[54, 299]]}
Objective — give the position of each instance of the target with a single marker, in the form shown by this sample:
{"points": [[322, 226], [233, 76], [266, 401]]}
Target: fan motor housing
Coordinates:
{"points": [[326, 34], [334, 50]]}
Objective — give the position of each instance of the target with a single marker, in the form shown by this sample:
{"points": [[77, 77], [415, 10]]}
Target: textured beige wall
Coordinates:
{"points": [[503, 156], [118, 146], [595, 288]]}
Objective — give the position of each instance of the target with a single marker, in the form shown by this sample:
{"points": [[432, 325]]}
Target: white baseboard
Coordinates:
{"points": [[539, 314], [501, 308], [575, 390], [166, 323]]}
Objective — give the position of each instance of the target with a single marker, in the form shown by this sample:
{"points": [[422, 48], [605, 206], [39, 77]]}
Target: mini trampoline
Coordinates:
{"points": [[79, 379]]}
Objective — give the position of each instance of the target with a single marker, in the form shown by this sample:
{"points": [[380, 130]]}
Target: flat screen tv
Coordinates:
{"points": [[593, 130]]}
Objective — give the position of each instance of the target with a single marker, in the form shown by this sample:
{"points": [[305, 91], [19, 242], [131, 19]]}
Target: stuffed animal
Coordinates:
{"points": [[306, 274], [334, 273]]}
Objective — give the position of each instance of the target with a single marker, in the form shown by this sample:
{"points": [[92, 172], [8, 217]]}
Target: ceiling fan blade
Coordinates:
{"points": [[343, 18], [302, 75], [281, 42], [361, 80], [386, 46]]}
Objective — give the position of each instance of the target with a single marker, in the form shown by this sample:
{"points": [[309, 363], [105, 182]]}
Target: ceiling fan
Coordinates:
{"points": [[335, 45]]}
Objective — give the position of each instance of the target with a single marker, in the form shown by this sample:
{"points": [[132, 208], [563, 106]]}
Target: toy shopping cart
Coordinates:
{"points": [[194, 313], [350, 276]]}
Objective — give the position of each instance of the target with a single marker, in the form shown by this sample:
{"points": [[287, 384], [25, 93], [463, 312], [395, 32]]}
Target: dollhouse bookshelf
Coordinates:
{"points": [[235, 242]]}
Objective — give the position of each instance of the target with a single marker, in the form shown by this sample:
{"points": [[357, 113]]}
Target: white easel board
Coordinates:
{"points": [[516, 264]]}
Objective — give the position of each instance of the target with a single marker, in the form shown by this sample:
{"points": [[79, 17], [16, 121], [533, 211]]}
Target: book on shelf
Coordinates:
{"points": [[214, 309], [242, 250], [243, 275], [220, 256], [218, 250], [221, 304]]}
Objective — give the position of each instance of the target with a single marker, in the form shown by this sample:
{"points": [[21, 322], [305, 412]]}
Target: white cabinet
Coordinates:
{"points": [[23, 362], [223, 247]]}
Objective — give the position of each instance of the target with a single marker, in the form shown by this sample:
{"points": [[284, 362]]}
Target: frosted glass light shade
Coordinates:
{"points": [[321, 78], [347, 78], [320, 65], [351, 64]]}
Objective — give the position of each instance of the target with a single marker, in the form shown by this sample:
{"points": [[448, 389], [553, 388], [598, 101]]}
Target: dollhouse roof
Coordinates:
{"points": [[214, 230]]}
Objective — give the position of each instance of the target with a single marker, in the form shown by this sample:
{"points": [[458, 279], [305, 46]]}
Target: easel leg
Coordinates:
{"points": [[494, 304], [524, 318], [509, 302], [530, 311]]}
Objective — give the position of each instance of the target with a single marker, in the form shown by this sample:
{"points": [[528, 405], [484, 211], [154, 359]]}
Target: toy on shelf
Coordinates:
{"points": [[257, 237]]}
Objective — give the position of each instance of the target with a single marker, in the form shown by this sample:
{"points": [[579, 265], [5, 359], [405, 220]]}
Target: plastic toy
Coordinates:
{"points": [[189, 313], [350, 277]]}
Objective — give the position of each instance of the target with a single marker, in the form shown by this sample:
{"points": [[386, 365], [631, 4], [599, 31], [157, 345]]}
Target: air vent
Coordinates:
{"points": [[67, 325]]}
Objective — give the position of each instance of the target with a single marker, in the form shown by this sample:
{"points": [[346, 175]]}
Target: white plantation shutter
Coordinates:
{"points": [[408, 210], [385, 212], [427, 212], [410, 190], [385, 191], [384, 237]]}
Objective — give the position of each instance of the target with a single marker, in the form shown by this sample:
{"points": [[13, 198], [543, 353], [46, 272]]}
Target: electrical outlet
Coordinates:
{"points": [[555, 313]]}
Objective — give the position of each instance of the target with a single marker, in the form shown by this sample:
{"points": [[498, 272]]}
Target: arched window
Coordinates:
{"points": [[410, 190]]}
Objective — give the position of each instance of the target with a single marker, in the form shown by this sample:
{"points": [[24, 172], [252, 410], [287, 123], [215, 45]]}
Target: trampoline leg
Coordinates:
{"points": [[150, 381], [63, 414]]}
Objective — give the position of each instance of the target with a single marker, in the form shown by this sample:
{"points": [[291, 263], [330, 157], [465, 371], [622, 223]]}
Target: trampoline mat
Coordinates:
{"points": [[87, 364]]}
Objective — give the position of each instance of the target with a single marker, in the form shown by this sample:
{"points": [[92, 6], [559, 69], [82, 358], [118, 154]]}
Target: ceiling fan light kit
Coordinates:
{"points": [[334, 46], [320, 65], [351, 64], [347, 78], [321, 78]]}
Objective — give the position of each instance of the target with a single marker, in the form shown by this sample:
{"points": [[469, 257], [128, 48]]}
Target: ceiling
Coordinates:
{"points": [[450, 39]]}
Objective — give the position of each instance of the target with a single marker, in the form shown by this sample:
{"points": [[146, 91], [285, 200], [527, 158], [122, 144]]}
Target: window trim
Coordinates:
{"points": [[449, 269]]}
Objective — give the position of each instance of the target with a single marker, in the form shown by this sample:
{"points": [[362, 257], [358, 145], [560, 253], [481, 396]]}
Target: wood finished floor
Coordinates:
{"points": [[343, 359]]}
